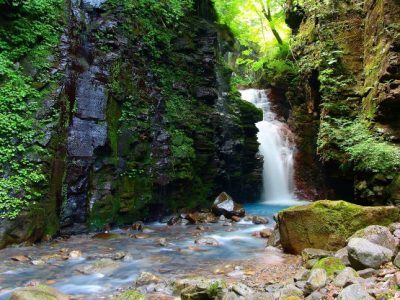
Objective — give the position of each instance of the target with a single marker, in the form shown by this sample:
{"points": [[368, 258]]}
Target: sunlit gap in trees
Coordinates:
{"points": [[260, 29]]}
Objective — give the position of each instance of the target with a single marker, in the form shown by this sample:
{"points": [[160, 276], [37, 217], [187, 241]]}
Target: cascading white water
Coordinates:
{"points": [[277, 148]]}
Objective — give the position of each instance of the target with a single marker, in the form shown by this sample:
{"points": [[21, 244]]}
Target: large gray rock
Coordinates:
{"points": [[396, 260], [354, 292], [365, 254], [343, 255], [316, 295], [290, 290], [348, 275], [224, 205], [318, 278], [379, 235]]}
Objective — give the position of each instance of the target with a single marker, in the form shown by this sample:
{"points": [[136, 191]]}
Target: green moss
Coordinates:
{"points": [[332, 265], [327, 224], [131, 295], [113, 114]]}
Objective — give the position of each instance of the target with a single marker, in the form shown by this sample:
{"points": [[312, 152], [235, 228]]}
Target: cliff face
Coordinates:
{"points": [[146, 120], [348, 56]]}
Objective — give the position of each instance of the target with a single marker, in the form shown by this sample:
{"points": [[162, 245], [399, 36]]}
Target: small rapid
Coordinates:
{"points": [[277, 148]]}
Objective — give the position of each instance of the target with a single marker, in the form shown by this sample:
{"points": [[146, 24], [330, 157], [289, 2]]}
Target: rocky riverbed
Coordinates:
{"points": [[217, 254], [99, 266]]}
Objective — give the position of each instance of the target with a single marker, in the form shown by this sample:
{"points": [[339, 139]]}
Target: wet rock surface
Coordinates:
{"points": [[224, 205]]}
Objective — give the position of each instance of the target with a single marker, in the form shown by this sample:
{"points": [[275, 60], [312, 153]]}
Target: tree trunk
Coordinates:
{"points": [[268, 16]]}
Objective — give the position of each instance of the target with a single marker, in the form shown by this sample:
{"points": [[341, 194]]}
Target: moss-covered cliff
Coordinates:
{"points": [[139, 117], [347, 55]]}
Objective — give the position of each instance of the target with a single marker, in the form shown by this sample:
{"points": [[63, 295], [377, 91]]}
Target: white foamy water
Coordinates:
{"points": [[277, 148]]}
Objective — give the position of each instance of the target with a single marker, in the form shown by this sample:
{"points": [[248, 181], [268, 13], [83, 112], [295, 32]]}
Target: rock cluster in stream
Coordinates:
{"points": [[355, 272], [223, 209], [352, 273], [366, 266]]}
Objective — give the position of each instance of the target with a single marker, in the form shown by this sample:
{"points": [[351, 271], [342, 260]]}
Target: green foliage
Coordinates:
{"points": [[183, 154], [154, 21], [29, 33], [253, 31], [215, 287], [364, 150]]}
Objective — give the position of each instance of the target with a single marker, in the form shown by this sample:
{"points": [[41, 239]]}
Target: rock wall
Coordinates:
{"points": [[347, 57], [147, 122]]}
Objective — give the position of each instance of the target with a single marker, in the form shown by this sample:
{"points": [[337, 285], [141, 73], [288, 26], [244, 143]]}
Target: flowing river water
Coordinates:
{"points": [[113, 262]]}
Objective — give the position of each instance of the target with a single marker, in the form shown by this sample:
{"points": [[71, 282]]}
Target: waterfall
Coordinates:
{"points": [[277, 148]]}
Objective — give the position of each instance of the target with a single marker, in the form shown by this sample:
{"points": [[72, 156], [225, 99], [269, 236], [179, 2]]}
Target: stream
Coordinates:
{"points": [[98, 266], [107, 266]]}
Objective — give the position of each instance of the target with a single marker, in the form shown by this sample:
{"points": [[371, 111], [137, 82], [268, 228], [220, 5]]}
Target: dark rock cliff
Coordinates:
{"points": [[147, 124]]}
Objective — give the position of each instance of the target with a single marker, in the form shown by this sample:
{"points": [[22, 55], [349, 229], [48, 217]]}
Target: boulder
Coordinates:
{"points": [[199, 288], [27, 227], [138, 226], [103, 265], [146, 278], [332, 265], [242, 290], [343, 255], [316, 280], [396, 260], [354, 292], [316, 295], [310, 253], [364, 254], [302, 275], [366, 273], [290, 290], [346, 276], [266, 233], [259, 220], [36, 292], [379, 235], [328, 224], [207, 241], [224, 205], [131, 295]]}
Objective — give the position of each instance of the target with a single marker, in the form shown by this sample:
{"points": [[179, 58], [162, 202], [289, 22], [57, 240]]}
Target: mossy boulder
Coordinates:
{"points": [[131, 295], [200, 288], [40, 291], [328, 224], [332, 265]]}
